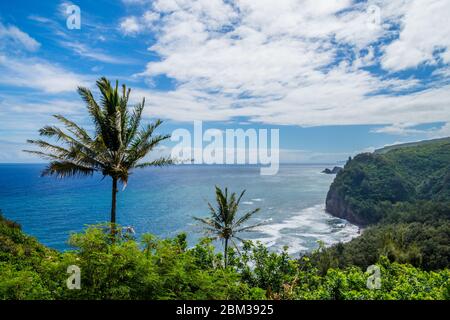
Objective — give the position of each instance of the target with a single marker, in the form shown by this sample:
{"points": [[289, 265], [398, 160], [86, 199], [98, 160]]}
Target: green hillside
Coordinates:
{"points": [[411, 144], [402, 194], [371, 182]]}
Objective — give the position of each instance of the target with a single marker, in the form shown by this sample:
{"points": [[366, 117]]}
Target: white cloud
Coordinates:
{"points": [[17, 36], [22, 117], [11, 152], [38, 74], [401, 129], [17, 69], [296, 63], [442, 132], [424, 30], [277, 64], [133, 25], [45, 108], [150, 17], [85, 51], [130, 25]]}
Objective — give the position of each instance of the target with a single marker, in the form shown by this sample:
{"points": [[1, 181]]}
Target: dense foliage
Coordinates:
{"points": [[422, 245], [371, 182], [168, 269], [403, 194]]}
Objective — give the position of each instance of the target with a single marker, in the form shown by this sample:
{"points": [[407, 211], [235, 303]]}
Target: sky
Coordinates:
{"points": [[336, 77]]}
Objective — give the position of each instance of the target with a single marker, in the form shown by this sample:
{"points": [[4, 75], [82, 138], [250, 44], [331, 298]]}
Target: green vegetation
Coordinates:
{"points": [[116, 147], [224, 223], [410, 144], [168, 269], [403, 195], [373, 185], [422, 245]]}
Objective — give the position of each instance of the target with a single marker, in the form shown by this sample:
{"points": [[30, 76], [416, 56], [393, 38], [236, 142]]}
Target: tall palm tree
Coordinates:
{"points": [[115, 148], [224, 223]]}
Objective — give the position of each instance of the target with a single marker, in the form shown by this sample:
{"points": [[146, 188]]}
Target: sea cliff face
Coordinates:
{"points": [[369, 187], [360, 191], [338, 207]]}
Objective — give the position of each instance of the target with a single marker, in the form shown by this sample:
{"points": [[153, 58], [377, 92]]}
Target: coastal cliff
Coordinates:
{"points": [[338, 207], [401, 196], [371, 184]]}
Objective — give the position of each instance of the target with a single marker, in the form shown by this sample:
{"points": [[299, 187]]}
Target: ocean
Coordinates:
{"points": [[163, 201]]}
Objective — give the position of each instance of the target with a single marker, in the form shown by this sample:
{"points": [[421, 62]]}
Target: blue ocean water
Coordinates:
{"points": [[163, 201]]}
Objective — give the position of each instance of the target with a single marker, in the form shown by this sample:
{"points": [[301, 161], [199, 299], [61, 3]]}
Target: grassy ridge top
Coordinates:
{"points": [[423, 164], [412, 144]]}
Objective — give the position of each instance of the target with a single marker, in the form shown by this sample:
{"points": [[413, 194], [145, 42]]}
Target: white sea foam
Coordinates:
{"points": [[247, 202], [303, 230]]}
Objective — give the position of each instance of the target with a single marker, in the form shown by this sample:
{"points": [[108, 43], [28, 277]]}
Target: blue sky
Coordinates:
{"points": [[336, 77]]}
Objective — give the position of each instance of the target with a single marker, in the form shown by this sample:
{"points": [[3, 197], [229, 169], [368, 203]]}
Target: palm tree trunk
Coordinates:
{"points": [[113, 205], [226, 252]]}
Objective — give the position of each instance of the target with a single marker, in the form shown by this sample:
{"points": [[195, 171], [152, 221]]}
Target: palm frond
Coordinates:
{"points": [[43, 155], [155, 163], [76, 130], [216, 216], [222, 202], [139, 151], [143, 135], [222, 220], [60, 135], [76, 152], [63, 169], [94, 110], [235, 245], [134, 122], [240, 197], [245, 217], [209, 222], [57, 150], [115, 148], [250, 228], [118, 127]]}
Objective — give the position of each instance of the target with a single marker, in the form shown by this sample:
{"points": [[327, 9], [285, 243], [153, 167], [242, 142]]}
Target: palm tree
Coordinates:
{"points": [[117, 146], [224, 223]]}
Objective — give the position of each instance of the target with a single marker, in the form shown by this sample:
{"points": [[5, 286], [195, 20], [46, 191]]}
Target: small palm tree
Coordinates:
{"points": [[116, 147], [224, 223]]}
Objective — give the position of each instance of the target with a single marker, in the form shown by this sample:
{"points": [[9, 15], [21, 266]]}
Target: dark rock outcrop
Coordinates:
{"points": [[335, 170], [338, 207]]}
